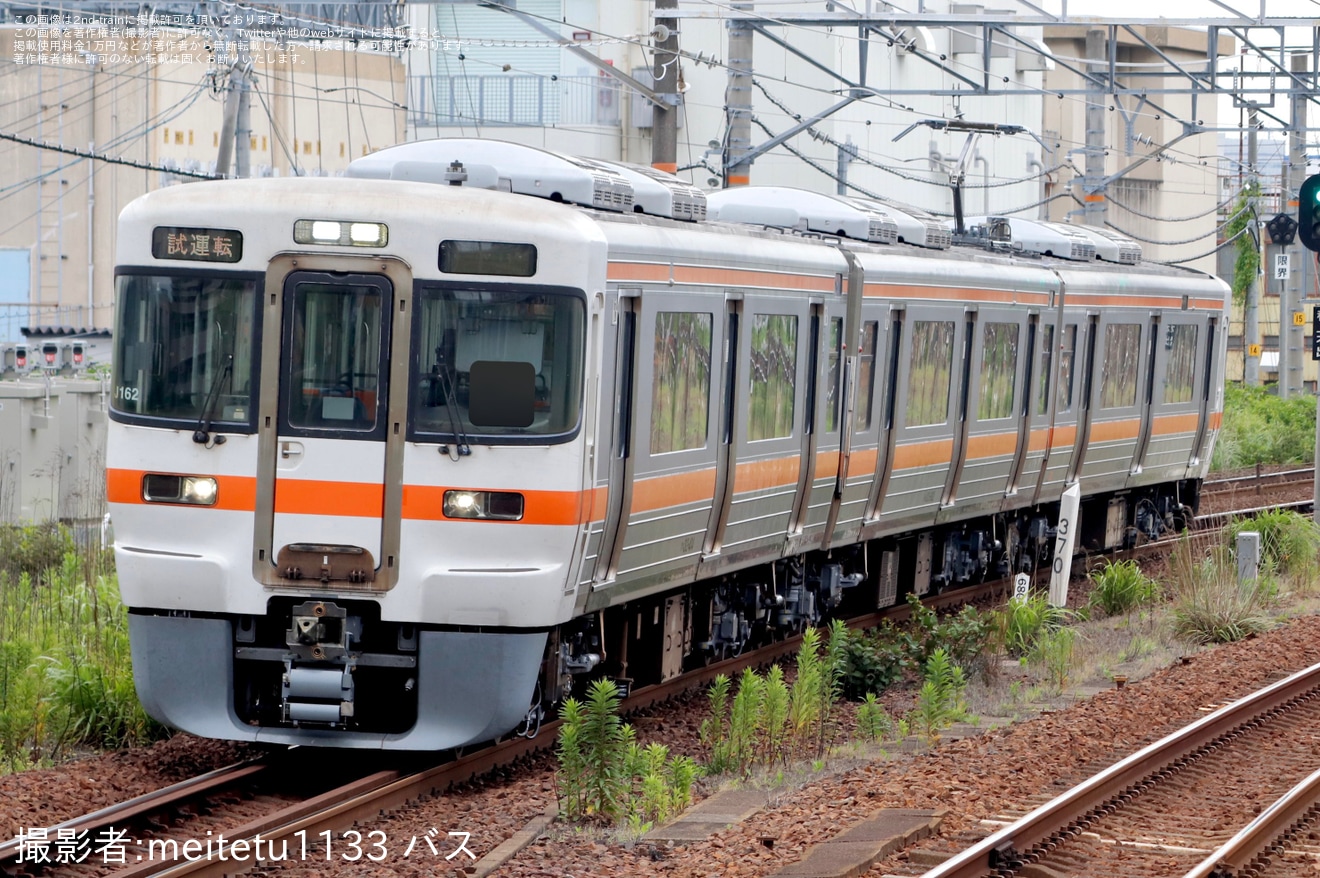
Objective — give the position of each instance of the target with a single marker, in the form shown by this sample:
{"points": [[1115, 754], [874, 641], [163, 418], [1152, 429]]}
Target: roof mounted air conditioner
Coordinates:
{"points": [[497, 164], [786, 207]]}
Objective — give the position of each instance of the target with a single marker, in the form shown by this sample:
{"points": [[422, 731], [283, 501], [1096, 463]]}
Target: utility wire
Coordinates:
{"points": [[100, 157], [1186, 259]]}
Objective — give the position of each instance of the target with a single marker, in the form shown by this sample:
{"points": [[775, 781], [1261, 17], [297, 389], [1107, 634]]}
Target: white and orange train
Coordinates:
{"points": [[395, 457]]}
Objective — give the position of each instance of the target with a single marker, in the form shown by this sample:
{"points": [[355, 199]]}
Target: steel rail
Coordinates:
{"points": [[1236, 854], [383, 790], [148, 803], [1262, 477], [1068, 812], [367, 798]]}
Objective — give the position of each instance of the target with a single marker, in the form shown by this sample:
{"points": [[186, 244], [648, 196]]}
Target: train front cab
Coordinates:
{"points": [[370, 444]]}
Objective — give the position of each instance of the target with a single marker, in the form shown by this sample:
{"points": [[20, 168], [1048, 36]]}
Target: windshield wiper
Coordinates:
{"points": [[202, 435], [444, 373]]}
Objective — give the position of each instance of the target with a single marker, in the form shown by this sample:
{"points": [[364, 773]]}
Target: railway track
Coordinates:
{"points": [[171, 813], [162, 821], [1175, 807], [1257, 480]]}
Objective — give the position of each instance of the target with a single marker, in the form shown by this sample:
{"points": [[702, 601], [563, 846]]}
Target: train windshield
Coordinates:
{"points": [[496, 364], [185, 348]]}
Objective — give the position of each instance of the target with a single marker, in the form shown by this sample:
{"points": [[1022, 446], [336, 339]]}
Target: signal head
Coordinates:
{"points": [[1282, 229], [1308, 213]]}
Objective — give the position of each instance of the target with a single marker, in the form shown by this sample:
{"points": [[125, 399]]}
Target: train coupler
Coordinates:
{"points": [[317, 695]]}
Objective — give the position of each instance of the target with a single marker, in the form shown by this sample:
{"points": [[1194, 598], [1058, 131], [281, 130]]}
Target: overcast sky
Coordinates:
{"points": [[1183, 8]]}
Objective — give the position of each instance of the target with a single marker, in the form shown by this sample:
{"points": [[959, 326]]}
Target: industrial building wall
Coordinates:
{"points": [[157, 101], [52, 449]]}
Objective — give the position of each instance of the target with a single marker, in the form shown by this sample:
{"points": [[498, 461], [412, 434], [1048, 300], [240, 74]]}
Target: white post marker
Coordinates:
{"points": [[1021, 587], [1063, 544]]}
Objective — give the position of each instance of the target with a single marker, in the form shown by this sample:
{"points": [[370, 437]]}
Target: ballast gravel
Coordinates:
{"points": [[973, 778]]}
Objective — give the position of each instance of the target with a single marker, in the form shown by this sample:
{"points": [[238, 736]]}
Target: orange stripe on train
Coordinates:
{"points": [[991, 445], [915, 454], [1114, 431], [234, 493], [904, 291], [1166, 424], [696, 274], [680, 489], [760, 475], [424, 503]]}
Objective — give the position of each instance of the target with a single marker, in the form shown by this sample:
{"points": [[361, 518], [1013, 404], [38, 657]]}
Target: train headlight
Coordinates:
{"points": [[346, 234], [192, 490], [497, 505]]}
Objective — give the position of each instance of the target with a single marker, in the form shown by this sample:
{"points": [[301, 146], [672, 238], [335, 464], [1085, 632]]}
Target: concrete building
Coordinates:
{"points": [[487, 73], [152, 101], [156, 100]]}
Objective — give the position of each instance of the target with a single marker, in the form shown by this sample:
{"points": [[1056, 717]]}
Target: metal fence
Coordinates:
{"points": [[513, 100]]}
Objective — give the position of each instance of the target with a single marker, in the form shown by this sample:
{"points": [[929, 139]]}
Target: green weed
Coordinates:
{"points": [[941, 701], [874, 724], [1289, 543], [1259, 427], [1210, 605], [1019, 625], [1120, 587]]}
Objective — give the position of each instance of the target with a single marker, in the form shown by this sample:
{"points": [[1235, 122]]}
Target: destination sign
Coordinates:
{"points": [[197, 245]]}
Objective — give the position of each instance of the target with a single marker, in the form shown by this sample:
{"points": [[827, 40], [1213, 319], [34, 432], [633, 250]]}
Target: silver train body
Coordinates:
{"points": [[394, 463]]}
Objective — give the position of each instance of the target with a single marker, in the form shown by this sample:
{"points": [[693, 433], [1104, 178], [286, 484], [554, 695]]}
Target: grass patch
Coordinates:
{"points": [[1019, 626], [66, 680], [1261, 428], [1210, 605], [1120, 587], [1289, 543]]}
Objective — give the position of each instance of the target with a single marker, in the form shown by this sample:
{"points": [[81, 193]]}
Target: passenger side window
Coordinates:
{"points": [[680, 390], [1118, 378], [774, 374], [866, 376], [1067, 358], [833, 377], [931, 370], [1046, 361], [1180, 373], [998, 371]]}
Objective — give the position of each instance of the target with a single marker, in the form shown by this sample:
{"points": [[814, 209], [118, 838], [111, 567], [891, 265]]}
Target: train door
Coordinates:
{"points": [[962, 391], [327, 464], [679, 337], [1176, 407], [929, 371], [1038, 394], [823, 429], [1119, 369], [989, 411], [1026, 405], [619, 438], [869, 425], [887, 408], [1067, 347], [1155, 364], [1207, 393], [759, 488], [1085, 396]]}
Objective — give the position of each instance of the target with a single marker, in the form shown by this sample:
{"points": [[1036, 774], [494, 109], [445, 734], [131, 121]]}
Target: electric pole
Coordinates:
{"points": [[1093, 195], [738, 102], [664, 76], [847, 152], [1251, 314], [1291, 345], [236, 126]]}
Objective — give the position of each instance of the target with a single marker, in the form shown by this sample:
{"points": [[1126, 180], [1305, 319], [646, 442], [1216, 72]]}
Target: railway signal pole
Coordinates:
{"points": [[1308, 230]]}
